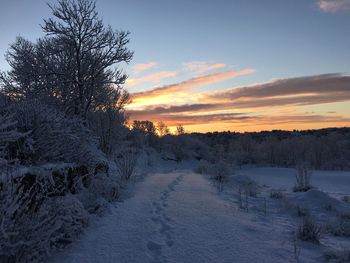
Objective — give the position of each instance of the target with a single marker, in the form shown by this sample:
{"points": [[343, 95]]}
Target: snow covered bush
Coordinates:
{"points": [[8, 128], [246, 185], [346, 198], [303, 179], [342, 226], [276, 194], [219, 172], [108, 126], [36, 217], [203, 167], [105, 186], [308, 230], [126, 164], [54, 137]]}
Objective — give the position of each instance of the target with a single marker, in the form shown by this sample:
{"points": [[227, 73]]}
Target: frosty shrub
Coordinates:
{"points": [[346, 198], [309, 231], [8, 128], [126, 164], [102, 185], [276, 194], [303, 179], [109, 127], [36, 219], [219, 172], [54, 136], [342, 226], [203, 167], [247, 186], [302, 212]]}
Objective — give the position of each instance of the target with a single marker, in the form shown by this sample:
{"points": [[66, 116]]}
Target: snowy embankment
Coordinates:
{"points": [[181, 217]]}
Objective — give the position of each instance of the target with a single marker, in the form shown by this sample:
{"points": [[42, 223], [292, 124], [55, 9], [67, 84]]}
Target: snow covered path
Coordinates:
{"points": [[179, 217]]}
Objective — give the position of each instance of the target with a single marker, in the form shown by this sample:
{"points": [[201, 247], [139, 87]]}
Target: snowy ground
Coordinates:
{"points": [[332, 182], [180, 217]]}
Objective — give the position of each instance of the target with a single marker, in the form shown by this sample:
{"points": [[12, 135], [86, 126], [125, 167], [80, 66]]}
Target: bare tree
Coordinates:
{"points": [[74, 63], [146, 127], [162, 129], [180, 129]]}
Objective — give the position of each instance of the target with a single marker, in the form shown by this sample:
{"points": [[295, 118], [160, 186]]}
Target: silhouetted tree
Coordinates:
{"points": [[147, 127], [180, 129], [162, 129]]}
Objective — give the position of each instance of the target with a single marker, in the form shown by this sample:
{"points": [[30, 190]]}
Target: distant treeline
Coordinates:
{"points": [[319, 149]]}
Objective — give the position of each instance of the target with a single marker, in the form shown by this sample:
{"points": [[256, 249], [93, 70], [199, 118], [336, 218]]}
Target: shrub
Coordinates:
{"points": [[309, 231], [301, 212], [102, 185], [276, 194], [36, 218], [219, 172], [53, 137], [342, 226], [303, 179], [126, 164], [247, 185], [346, 199], [203, 167]]}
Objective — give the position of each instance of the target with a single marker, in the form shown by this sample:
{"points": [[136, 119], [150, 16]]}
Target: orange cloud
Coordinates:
{"points": [[201, 67], [192, 83], [247, 106], [154, 78], [142, 67]]}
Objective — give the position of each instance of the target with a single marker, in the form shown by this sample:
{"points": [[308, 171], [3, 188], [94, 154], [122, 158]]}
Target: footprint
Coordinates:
{"points": [[155, 248], [164, 227], [167, 218], [169, 243], [158, 210], [155, 219]]}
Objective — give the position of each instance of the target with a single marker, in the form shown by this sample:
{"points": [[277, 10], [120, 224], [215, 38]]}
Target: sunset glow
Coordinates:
{"points": [[228, 65], [296, 103]]}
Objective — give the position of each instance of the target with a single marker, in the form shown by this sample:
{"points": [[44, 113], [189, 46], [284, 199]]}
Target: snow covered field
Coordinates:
{"points": [[333, 182], [180, 216]]}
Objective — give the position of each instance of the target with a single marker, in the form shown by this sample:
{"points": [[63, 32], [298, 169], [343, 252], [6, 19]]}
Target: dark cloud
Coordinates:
{"points": [[321, 84]]}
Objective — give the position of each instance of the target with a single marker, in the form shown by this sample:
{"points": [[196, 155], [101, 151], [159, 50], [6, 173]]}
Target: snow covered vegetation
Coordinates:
{"points": [[68, 153], [61, 121]]}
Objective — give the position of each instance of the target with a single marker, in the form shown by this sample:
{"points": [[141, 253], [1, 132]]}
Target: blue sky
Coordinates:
{"points": [[278, 39]]}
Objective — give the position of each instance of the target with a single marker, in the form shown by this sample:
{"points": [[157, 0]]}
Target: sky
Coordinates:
{"points": [[223, 65]]}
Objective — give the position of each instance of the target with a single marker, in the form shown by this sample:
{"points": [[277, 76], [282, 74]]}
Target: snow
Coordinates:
{"points": [[179, 216], [333, 182], [176, 217]]}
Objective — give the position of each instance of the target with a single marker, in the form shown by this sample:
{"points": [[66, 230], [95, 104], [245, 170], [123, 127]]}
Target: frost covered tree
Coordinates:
{"points": [[8, 129], [74, 65]]}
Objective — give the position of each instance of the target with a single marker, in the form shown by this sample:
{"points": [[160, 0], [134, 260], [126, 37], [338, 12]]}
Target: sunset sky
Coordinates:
{"points": [[223, 65]]}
